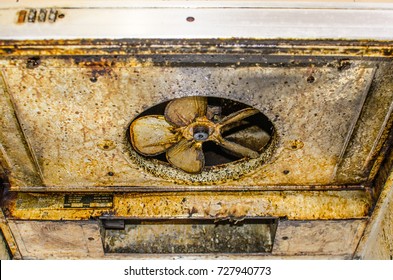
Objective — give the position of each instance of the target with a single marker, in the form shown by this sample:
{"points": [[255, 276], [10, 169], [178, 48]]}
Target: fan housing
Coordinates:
{"points": [[201, 139]]}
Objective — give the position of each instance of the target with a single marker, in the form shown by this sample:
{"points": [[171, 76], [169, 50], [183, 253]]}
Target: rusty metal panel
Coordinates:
{"points": [[294, 205], [67, 111], [15, 157], [300, 239], [49, 240], [318, 237], [4, 252], [377, 242], [67, 105], [368, 137], [10, 246]]}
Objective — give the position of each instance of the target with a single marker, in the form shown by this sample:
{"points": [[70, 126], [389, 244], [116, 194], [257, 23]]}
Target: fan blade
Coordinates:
{"points": [[238, 116], [152, 135], [183, 111], [187, 155], [250, 136], [237, 148]]}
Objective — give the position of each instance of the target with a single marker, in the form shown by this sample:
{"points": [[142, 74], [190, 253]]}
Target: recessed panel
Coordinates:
{"points": [[76, 119], [191, 237]]}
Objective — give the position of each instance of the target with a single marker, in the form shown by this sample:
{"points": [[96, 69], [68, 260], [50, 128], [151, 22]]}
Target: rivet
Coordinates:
{"points": [[310, 79]]}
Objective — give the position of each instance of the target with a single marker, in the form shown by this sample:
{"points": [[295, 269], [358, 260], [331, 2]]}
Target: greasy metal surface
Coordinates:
{"points": [[14, 151], [11, 246], [80, 105], [191, 237], [4, 252], [370, 138], [301, 205], [54, 240], [377, 242], [294, 239], [318, 237], [252, 49]]}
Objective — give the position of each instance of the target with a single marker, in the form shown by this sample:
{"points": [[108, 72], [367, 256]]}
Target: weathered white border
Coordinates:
{"points": [[213, 19], [342, 4]]}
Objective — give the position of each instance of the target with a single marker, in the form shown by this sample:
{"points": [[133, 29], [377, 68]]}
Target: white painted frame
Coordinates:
{"points": [[104, 19]]}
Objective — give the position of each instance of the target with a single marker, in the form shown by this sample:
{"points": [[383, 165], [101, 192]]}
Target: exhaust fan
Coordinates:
{"points": [[188, 126]]}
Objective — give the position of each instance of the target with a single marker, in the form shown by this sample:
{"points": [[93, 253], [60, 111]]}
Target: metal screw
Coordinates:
{"points": [[42, 15], [52, 15], [201, 133], [32, 15]]}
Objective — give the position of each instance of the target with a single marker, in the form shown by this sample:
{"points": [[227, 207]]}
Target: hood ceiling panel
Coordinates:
{"points": [[75, 117]]}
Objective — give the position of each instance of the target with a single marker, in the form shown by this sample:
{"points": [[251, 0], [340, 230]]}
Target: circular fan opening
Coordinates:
{"points": [[195, 135]]}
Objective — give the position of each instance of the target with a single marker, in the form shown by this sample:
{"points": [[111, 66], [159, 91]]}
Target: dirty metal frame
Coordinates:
{"points": [[256, 45]]}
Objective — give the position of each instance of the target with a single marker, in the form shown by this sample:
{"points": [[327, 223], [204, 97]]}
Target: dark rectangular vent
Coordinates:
{"points": [[192, 237]]}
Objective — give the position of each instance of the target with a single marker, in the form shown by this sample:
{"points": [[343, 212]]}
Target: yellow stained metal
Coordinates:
{"points": [[302, 205], [8, 236], [339, 48], [15, 157], [67, 108], [54, 240], [377, 241]]}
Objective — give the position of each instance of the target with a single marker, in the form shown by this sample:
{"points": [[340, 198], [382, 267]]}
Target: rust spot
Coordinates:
{"points": [[192, 211], [343, 65], [295, 145], [106, 145], [97, 72], [238, 211]]}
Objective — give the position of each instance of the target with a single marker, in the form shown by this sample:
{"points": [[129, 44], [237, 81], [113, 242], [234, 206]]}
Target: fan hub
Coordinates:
{"points": [[201, 133], [200, 130]]}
